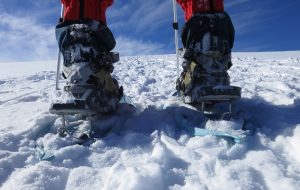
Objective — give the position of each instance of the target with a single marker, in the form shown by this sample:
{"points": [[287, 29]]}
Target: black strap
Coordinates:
{"points": [[175, 25], [211, 6], [81, 9]]}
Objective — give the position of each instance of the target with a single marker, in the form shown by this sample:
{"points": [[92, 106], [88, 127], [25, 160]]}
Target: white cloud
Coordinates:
{"points": [[246, 22], [140, 15], [23, 38], [233, 3], [127, 46], [151, 15], [250, 17]]}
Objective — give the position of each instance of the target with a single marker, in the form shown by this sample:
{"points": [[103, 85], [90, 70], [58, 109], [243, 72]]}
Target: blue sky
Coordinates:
{"points": [[143, 27]]}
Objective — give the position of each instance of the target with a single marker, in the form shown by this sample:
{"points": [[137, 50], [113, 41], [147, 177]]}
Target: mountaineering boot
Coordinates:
{"points": [[105, 99], [87, 69], [207, 40], [197, 75]]}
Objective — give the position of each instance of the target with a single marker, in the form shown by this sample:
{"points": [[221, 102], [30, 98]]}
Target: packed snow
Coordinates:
{"points": [[147, 150]]}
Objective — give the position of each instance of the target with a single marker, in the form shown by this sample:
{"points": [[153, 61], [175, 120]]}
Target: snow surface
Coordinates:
{"points": [[147, 151]]}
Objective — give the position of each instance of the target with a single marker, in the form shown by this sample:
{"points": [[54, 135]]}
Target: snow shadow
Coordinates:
{"points": [[270, 119], [259, 116], [164, 120]]}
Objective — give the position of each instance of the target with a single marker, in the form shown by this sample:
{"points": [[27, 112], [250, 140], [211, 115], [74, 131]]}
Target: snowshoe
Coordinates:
{"points": [[205, 98], [197, 123], [205, 85]]}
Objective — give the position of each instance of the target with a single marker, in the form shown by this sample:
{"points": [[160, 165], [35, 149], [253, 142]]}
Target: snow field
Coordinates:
{"points": [[147, 151]]}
